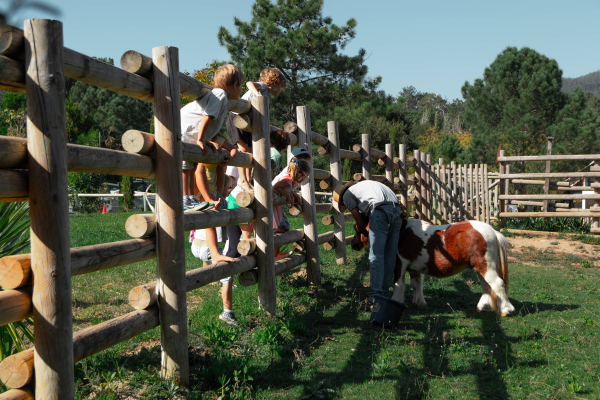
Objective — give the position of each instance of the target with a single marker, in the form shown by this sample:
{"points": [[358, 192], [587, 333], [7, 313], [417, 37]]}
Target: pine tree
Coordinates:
{"points": [[128, 198], [294, 37], [519, 103]]}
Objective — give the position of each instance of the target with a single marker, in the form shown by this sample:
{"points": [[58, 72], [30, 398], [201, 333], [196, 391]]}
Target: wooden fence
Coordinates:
{"points": [[35, 62]]}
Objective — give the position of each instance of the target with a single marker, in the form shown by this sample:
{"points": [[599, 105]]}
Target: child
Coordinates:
{"points": [[271, 81], [201, 121], [300, 154], [284, 185], [234, 232], [279, 142], [201, 250]]}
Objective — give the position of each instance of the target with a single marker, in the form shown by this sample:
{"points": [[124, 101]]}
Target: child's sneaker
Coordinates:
{"points": [[228, 317]]}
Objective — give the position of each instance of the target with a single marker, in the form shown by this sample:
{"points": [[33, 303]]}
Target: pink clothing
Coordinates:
{"points": [[278, 210]]}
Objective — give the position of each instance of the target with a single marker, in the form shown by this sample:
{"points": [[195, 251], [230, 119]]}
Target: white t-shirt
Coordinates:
{"points": [[233, 171], [214, 104], [284, 171], [249, 95]]}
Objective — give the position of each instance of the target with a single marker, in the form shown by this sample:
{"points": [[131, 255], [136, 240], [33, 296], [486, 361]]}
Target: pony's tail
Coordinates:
{"points": [[502, 245]]}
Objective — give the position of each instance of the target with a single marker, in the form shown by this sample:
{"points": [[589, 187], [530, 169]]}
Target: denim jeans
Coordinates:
{"points": [[384, 230]]}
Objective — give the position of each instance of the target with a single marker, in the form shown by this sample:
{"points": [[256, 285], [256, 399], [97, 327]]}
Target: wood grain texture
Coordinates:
{"points": [[15, 185], [248, 246], [417, 155], [309, 212], [374, 152], [169, 220], [263, 194], [338, 218], [134, 141], [15, 305], [389, 165], [403, 177], [329, 219], [25, 393], [49, 209], [366, 157], [12, 75], [13, 152]]}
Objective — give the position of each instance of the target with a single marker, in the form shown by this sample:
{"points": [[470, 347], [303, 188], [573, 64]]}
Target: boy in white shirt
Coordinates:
{"points": [[271, 81], [201, 121]]}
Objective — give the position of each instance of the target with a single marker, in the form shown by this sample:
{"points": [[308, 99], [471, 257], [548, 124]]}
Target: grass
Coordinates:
{"points": [[320, 346]]}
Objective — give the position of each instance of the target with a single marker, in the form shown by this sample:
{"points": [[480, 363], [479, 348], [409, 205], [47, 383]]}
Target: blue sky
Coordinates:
{"points": [[433, 45]]}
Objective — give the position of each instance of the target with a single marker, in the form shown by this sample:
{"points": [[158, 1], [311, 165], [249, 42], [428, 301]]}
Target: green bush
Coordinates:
{"points": [[126, 202], [567, 225], [86, 183]]}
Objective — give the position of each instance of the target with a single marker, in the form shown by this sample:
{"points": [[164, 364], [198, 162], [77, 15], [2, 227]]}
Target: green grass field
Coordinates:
{"points": [[321, 346]]}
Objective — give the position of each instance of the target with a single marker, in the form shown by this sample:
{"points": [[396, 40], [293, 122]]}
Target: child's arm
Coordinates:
{"points": [[280, 188], [202, 131], [242, 146], [232, 152], [254, 87]]}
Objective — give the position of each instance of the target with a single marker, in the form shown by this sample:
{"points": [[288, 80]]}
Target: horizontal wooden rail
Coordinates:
{"points": [[381, 162], [351, 155], [551, 175], [244, 123], [15, 271], [378, 178], [329, 219], [565, 157], [250, 277], [144, 225], [248, 246], [374, 152], [575, 214], [550, 197], [15, 305], [409, 163], [144, 296], [538, 204], [246, 199], [15, 185], [321, 174], [325, 184], [321, 208], [16, 371]]}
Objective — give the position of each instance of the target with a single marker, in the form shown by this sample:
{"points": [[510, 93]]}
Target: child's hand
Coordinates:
{"points": [[205, 146], [221, 258]]}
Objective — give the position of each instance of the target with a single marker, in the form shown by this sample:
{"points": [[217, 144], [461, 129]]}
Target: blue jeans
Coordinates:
{"points": [[384, 230]]}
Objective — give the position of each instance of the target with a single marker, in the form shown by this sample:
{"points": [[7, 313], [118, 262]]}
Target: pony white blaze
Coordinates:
{"points": [[445, 250]]}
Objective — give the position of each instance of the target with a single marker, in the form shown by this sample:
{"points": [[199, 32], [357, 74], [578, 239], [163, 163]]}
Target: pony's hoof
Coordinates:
{"points": [[504, 314]]}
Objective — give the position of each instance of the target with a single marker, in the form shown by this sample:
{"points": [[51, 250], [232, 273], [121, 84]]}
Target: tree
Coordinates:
{"points": [[448, 148], [294, 37], [519, 103]]}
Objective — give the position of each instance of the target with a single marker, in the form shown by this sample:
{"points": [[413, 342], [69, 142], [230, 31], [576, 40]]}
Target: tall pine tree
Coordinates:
{"points": [[294, 37]]}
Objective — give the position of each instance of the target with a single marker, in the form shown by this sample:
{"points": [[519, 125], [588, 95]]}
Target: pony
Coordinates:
{"points": [[442, 251]]}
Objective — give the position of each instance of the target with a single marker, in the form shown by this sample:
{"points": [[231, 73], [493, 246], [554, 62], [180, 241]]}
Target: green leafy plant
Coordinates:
{"points": [[14, 237], [573, 385]]}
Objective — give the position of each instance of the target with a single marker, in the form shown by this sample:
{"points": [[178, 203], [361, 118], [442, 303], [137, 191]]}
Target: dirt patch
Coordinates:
{"points": [[523, 248]]}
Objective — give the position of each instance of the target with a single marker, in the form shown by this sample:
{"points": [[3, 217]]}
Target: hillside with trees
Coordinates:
{"points": [[589, 83]]}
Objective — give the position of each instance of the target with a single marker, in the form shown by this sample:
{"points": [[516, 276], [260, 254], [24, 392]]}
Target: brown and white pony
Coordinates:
{"points": [[442, 251]]}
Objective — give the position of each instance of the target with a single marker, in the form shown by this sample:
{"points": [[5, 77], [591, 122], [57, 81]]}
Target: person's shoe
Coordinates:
{"points": [[228, 317], [366, 305]]}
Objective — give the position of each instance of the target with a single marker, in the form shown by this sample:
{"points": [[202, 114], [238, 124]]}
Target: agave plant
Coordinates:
{"points": [[14, 237]]}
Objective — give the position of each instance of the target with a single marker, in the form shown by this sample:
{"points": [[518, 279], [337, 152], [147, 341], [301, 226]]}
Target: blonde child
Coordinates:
{"points": [[201, 122], [271, 82]]}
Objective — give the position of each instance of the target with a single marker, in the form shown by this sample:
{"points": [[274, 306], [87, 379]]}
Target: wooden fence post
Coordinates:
{"points": [[170, 233], [49, 210], [442, 176], [263, 199], [477, 193], [503, 182], [428, 160], [418, 185], [389, 165], [308, 197], [425, 210], [547, 180], [366, 155], [335, 168], [403, 177], [471, 192], [453, 188], [486, 191], [437, 215], [466, 191]]}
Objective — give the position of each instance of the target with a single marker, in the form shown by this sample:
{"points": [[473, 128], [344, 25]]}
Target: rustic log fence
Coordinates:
{"points": [[35, 170]]}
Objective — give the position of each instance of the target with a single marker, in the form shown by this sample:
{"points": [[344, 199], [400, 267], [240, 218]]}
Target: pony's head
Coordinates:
{"points": [[359, 241]]}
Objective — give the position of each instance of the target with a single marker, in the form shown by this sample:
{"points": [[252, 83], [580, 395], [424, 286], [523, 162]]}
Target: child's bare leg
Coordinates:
{"points": [[243, 181], [192, 183], [186, 181], [226, 295], [221, 178], [246, 231], [249, 177], [211, 239]]}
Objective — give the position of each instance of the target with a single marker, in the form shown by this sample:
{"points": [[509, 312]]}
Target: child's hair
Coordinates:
{"points": [[227, 76], [272, 76], [297, 166], [280, 140]]}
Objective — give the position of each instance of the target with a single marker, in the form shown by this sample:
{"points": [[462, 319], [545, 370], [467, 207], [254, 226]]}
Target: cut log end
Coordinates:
{"points": [[142, 297], [248, 278], [325, 185], [295, 209], [327, 220], [290, 127], [246, 247], [140, 225], [243, 122], [357, 148], [16, 371], [329, 246], [358, 177], [244, 199], [136, 63], [323, 150], [299, 246], [14, 271], [134, 141]]}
